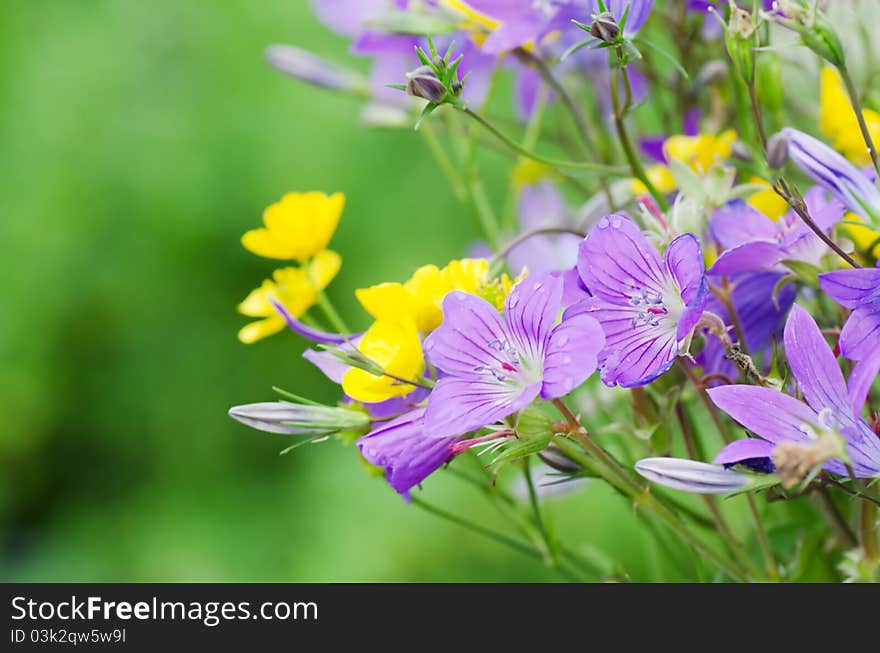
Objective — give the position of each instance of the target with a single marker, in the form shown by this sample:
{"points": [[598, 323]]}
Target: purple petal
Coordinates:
{"points": [[461, 344], [813, 364], [652, 147], [824, 210], [852, 288], [333, 368], [774, 416], [573, 288], [691, 475], [400, 446], [863, 447], [755, 256], [531, 310], [684, 260], [615, 261], [745, 449], [862, 377], [738, 223], [572, 354], [860, 336], [458, 406], [315, 335], [347, 17]]}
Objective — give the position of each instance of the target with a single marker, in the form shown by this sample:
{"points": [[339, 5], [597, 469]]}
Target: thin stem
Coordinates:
{"points": [[615, 171], [612, 472], [850, 492], [835, 519], [860, 116], [724, 295], [868, 532], [538, 517], [504, 251], [444, 162], [763, 540], [327, 307], [629, 152]]}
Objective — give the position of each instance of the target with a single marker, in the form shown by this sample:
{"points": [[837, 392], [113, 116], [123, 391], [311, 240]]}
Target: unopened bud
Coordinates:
{"points": [[604, 27], [741, 42], [299, 419], [691, 475], [777, 151], [424, 83]]}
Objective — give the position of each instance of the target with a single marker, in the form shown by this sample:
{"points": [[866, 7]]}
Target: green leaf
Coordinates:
{"points": [[427, 111], [521, 449], [576, 47], [322, 438], [666, 55], [806, 272]]}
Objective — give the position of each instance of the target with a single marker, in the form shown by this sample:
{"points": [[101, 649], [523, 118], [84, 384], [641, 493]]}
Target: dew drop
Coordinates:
{"points": [[603, 223]]}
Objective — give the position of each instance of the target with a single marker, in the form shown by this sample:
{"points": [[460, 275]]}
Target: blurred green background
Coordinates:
{"points": [[139, 140]]}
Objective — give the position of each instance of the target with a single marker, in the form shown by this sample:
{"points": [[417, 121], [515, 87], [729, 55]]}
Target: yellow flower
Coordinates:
{"points": [[767, 201], [496, 291], [700, 152], [838, 120], [659, 176], [419, 299], [527, 172], [864, 237], [297, 227], [294, 287], [395, 346]]}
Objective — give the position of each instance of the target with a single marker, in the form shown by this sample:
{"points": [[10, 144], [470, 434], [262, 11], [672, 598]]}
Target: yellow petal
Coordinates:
{"points": [[660, 177], [837, 120], [767, 201], [297, 227], [324, 267], [700, 152], [864, 237], [397, 349], [467, 274], [254, 331], [387, 301]]}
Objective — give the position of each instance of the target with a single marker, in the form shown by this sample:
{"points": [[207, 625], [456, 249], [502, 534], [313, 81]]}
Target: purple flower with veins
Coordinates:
{"points": [[859, 291], [497, 365], [406, 453], [752, 242], [648, 306], [779, 419], [830, 170]]}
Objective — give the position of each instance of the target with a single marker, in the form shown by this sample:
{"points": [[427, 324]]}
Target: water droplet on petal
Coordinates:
{"points": [[616, 222], [603, 223]]}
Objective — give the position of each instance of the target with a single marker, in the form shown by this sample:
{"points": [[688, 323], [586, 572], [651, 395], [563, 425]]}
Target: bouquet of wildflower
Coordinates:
{"points": [[683, 293]]}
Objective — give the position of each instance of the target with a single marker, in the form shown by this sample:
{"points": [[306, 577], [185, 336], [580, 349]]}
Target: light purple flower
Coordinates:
{"points": [[522, 21], [691, 475], [777, 417], [406, 453], [647, 306], [830, 170], [753, 243], [497, 365], [858, 290]]}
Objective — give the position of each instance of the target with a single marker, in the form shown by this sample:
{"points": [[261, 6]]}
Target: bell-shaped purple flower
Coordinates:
{"points": [[403, 449], [496, 365], [830, 170], [648, 306], [859, 291], [779, 418]]}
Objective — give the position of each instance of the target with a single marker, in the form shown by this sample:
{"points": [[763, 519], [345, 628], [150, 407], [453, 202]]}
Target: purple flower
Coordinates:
{"points": [[522, 22], [858, 290], [778, 418], [497, 365], [752, 242], [691, 475], [647, 306], [831, 171], [406, 453]]}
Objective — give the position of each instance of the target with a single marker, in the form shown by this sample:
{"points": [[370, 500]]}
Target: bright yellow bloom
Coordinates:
{"points": [[294, 287], [767, 201], [700, 152], [419, 299], [659, 176], [496, 291], [864, 237], [839, 123], [527, 172], [395, 346], [475, 19], [297, 227]]}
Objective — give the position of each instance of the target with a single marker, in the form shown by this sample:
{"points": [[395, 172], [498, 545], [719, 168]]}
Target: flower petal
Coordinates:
{"points": [[737, 223], [852, 288], [813, 364], [860, 336], [744, 449], [461, 344], [616, 261], [750, 257], [572, 354], [458, 406], [862, 378], [691, 475], [531, 311], [684, 260], [771, 414]]}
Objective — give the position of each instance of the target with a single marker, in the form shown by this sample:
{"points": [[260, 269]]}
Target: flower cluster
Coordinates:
{"points": [[723, 266]]}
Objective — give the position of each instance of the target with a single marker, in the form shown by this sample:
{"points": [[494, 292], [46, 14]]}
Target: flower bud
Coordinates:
{"points": [[299, 419], [424, 83], [741, 40], [817, 33], [777, 151], [604, 27], [312, 69], [691, 475]]}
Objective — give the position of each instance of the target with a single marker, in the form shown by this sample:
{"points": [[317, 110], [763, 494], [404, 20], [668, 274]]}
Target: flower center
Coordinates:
{"points": [[651, 308], [506, 364]]}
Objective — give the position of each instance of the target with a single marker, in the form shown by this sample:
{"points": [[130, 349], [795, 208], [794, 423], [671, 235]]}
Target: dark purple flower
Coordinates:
{"points": [[779, 418], [859, 291], [406, 453], [497, 365], [647, 306], [753, 242]]}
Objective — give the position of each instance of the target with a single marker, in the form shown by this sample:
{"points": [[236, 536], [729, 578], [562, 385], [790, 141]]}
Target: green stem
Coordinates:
{"points": [[615, 171], [444, 162], [763, 540], [612, 472], [629, 151], [860, 116], [539, 520], [327, 306]]}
